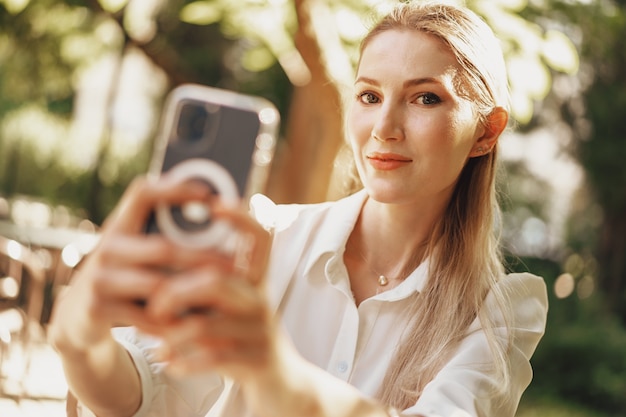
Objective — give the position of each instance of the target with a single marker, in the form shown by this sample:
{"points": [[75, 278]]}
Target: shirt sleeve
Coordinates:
{"points": [[464, 387], [163, 395]]}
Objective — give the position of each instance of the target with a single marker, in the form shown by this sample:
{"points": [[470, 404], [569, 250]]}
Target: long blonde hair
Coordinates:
{"points": [[465, 261]]}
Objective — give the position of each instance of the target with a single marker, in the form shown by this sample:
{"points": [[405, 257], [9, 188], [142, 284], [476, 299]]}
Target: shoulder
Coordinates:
{"points": [[524, 310], [279, 217], [523, 284], [519, 290], [285, 218], [524, 290]]}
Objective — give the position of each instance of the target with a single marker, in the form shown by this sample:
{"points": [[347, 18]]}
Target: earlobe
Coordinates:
{"points": [[493, 128]]}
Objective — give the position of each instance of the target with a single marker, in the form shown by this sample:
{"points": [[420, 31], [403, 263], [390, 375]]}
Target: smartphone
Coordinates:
{"points": [[221, 138]]}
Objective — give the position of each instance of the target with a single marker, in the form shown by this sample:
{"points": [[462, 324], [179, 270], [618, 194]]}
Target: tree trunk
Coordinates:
{"points": [[304, 164]]}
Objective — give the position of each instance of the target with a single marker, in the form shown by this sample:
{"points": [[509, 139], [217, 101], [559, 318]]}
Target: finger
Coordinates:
{"points": [[122, 313], [127, 284], [143, 195], [137, 249], [206, 287], [225, 359], [156, 251], [213, 329], [255, 242]]}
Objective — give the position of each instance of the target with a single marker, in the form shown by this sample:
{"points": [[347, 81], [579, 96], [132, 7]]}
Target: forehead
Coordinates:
{"points": [[407, 54]]}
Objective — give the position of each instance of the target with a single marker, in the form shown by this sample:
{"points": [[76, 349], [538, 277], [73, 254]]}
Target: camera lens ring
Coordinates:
{"points": [[218, 233]]}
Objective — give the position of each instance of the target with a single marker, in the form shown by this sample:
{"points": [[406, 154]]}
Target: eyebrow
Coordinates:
{"points": [[407, 83]]}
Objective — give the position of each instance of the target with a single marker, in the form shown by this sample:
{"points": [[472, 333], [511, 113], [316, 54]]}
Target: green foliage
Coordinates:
{"points": [[581, 359], [602, 149], [602, 152], [551, 407], [44, 50], [603, 155], [42, 47]]}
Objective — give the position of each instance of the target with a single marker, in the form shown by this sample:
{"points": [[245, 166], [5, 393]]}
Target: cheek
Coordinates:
{"points": [[463, 130], [357, 126], [467, 123], [351, 129], [357, 154]]}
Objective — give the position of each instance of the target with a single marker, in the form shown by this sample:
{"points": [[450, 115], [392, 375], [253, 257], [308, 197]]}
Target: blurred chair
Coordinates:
{"points": [[22, 284]]}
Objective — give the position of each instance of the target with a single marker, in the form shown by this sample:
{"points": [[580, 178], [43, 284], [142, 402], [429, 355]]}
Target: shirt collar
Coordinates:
{"points": [[332, 236]]}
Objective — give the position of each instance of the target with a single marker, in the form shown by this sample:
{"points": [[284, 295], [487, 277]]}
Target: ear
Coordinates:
{"points": [[489, 133]]}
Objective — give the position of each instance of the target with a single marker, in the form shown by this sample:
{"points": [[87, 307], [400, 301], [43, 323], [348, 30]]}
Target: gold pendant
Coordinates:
{"points": [[382, 280]]}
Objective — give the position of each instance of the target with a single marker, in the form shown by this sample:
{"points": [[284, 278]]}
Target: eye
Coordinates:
{"points": [[429, 99], [367, 98]]}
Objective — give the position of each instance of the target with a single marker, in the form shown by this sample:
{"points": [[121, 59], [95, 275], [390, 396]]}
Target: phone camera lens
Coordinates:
{"points": [[192, 122]]}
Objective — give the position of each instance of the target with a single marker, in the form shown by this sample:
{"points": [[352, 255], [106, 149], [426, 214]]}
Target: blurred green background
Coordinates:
{"points": [[82, 83]]}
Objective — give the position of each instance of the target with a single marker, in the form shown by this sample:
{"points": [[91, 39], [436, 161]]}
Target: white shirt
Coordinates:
{"points": [[309, 286]]}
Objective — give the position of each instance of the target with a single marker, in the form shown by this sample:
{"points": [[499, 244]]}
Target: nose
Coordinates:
{"points": [[389, 124]]}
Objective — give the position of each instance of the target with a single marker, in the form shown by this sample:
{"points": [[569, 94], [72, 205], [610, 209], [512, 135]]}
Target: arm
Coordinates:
{"points": [[120, 388], [98, 371], [241, 338], [124, 267]]}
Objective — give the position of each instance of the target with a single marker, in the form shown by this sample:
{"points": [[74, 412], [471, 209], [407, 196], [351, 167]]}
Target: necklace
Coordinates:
{"points": [[383, 280]]}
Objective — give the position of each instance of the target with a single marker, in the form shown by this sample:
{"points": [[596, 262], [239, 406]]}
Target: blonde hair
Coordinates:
{"points": [[465, 261]]}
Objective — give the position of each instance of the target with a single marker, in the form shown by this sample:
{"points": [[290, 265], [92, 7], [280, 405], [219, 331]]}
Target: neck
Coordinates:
{"points": [[393, 231], [388, 241]]}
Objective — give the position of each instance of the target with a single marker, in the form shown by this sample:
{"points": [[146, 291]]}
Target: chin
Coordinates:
{"points": [[388, 194]]}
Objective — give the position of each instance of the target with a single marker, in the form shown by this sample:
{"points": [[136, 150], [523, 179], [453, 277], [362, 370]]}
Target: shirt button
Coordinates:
{"points": [[342, 366]]}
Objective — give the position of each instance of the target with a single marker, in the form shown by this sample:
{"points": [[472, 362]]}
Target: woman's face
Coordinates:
{"points": [[410, 131]]}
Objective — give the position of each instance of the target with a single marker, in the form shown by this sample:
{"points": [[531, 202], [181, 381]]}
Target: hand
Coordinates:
{"points": [[126, 265], [215, 315]]}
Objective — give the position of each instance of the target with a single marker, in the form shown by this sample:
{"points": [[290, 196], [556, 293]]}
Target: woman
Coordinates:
{"points": [[392, 301]]}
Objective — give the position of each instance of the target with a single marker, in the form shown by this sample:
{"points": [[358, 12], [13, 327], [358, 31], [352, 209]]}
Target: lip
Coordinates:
{"points": [[385, 161]]}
